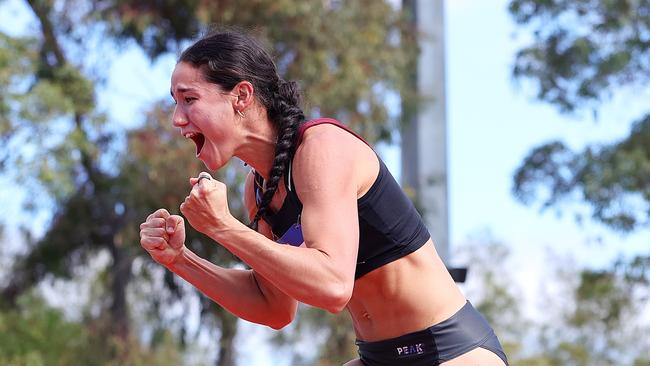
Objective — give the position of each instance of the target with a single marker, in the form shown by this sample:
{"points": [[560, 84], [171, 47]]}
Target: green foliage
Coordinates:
{"points": [[583, 52], [41, 119], [606, 319], [16, 64], [593, 317], [338, 345], [494, 294], [601, 321], [607, 296], [612, 178], [602, 300], [65, 93], [100, 182], [348, 55], [35, 334]]}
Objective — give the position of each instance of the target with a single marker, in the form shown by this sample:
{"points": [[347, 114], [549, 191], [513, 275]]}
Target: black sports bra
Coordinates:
{"points": [[389, 225]]}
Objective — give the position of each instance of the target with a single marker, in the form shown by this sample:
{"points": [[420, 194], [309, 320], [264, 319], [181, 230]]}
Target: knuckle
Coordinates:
{"points": [[144, 242], [149, 241]]}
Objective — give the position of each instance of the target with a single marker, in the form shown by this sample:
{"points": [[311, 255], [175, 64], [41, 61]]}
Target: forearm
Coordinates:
{"points": [[306, 274], [236, 290]]}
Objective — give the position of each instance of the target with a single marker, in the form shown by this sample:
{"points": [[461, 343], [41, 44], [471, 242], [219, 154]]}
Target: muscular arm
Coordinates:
{"points": [[243, 292], [239, 291], [321, 273]]}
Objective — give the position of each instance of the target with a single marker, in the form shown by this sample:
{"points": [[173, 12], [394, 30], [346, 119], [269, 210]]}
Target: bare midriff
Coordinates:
{"points": [[404, 296]]}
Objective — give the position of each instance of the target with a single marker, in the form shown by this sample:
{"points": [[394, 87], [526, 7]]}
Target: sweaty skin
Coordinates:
{"points": [[331, 170], [406, 295]]}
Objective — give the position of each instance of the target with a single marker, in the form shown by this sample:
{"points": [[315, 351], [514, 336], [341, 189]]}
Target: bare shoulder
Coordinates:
{"points": [[321, 159], [329, 154], [328, 136]]}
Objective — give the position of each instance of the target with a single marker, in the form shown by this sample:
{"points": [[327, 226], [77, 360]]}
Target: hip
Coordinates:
{"points": [[464, 331]]}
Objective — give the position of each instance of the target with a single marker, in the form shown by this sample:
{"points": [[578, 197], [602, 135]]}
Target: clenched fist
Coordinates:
{"points": [[206, 207], [163, 236]]}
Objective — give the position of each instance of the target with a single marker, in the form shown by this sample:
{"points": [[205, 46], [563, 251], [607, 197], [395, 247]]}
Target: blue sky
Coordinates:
{"points": [[492, 125]]}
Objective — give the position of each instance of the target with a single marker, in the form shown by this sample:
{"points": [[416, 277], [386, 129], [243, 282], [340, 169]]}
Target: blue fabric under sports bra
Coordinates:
{"points": [[389, 225]]}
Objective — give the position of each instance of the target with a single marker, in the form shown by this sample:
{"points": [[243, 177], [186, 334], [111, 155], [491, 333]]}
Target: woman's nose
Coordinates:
{"points": [[178, 119]]}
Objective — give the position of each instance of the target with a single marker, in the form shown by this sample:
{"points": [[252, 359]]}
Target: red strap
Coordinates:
{"points": [[320, 121]]}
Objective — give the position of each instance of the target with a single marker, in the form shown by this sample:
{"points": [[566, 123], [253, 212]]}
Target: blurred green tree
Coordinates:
{"points": [[582, 53], [101, 181], [492, 290], [35, 334], [602, 323], [348, 55], [588, 317]]}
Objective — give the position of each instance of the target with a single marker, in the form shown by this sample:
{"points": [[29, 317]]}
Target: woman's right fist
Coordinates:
{"points": [[163, 236]]}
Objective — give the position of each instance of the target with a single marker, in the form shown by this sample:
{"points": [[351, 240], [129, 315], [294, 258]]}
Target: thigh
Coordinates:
{"points": [[355, 362], [478, 356]]}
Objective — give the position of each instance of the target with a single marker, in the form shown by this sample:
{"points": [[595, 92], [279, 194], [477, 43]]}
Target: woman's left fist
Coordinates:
{"points": [[206, 207]]}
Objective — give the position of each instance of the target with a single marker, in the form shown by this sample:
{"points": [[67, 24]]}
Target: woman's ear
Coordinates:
{"points": [[244, 96]]}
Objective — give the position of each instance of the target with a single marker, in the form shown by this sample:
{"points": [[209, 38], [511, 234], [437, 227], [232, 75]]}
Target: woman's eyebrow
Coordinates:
{"points": [[181, 90]]}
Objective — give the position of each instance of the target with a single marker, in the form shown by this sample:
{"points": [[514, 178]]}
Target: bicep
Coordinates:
{"points": [[333, 229], [327, 188]]}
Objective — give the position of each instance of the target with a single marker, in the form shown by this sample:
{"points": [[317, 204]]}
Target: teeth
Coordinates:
{"points": [[189, 135]]}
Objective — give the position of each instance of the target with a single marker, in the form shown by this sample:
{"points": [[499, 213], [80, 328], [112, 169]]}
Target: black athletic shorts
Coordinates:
{"points": [[461, 333]]}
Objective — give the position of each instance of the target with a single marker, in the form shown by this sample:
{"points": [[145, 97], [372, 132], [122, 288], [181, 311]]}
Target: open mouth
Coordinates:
{"points": [[198, 139]]}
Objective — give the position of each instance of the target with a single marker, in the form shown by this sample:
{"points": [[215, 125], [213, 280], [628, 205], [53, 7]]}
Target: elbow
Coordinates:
{"points": [[280, 321], [339, 296], [278, 325], [281, 315]]}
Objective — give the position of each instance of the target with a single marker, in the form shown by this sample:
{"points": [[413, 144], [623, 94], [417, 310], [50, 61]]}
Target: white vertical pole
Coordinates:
{"points": [[424, 139]]}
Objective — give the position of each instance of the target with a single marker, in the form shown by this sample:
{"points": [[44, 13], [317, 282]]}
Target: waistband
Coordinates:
{"points": [[465, 330]]}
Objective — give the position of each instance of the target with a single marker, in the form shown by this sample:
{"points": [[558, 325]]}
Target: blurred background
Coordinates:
{"points": [[540, 153]]}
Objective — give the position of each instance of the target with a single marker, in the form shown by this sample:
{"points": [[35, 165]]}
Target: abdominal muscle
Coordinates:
{"points": [[404, 296]]}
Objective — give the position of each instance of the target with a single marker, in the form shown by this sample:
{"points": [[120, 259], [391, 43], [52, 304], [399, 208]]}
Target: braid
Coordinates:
{"points": [[284, 111], [225, 59]]}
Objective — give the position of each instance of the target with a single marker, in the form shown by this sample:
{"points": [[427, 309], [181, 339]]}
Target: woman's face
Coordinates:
{"points": [[205, 114]]}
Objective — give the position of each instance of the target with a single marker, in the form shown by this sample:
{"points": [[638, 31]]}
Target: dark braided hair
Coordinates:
{"points": [[225, 59]]}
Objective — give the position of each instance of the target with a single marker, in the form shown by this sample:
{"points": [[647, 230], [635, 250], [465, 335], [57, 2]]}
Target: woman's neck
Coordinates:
{"points": [[258, 148]]}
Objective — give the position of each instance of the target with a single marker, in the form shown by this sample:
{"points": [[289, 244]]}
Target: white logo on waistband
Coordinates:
{"points": [[414, 349]]}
